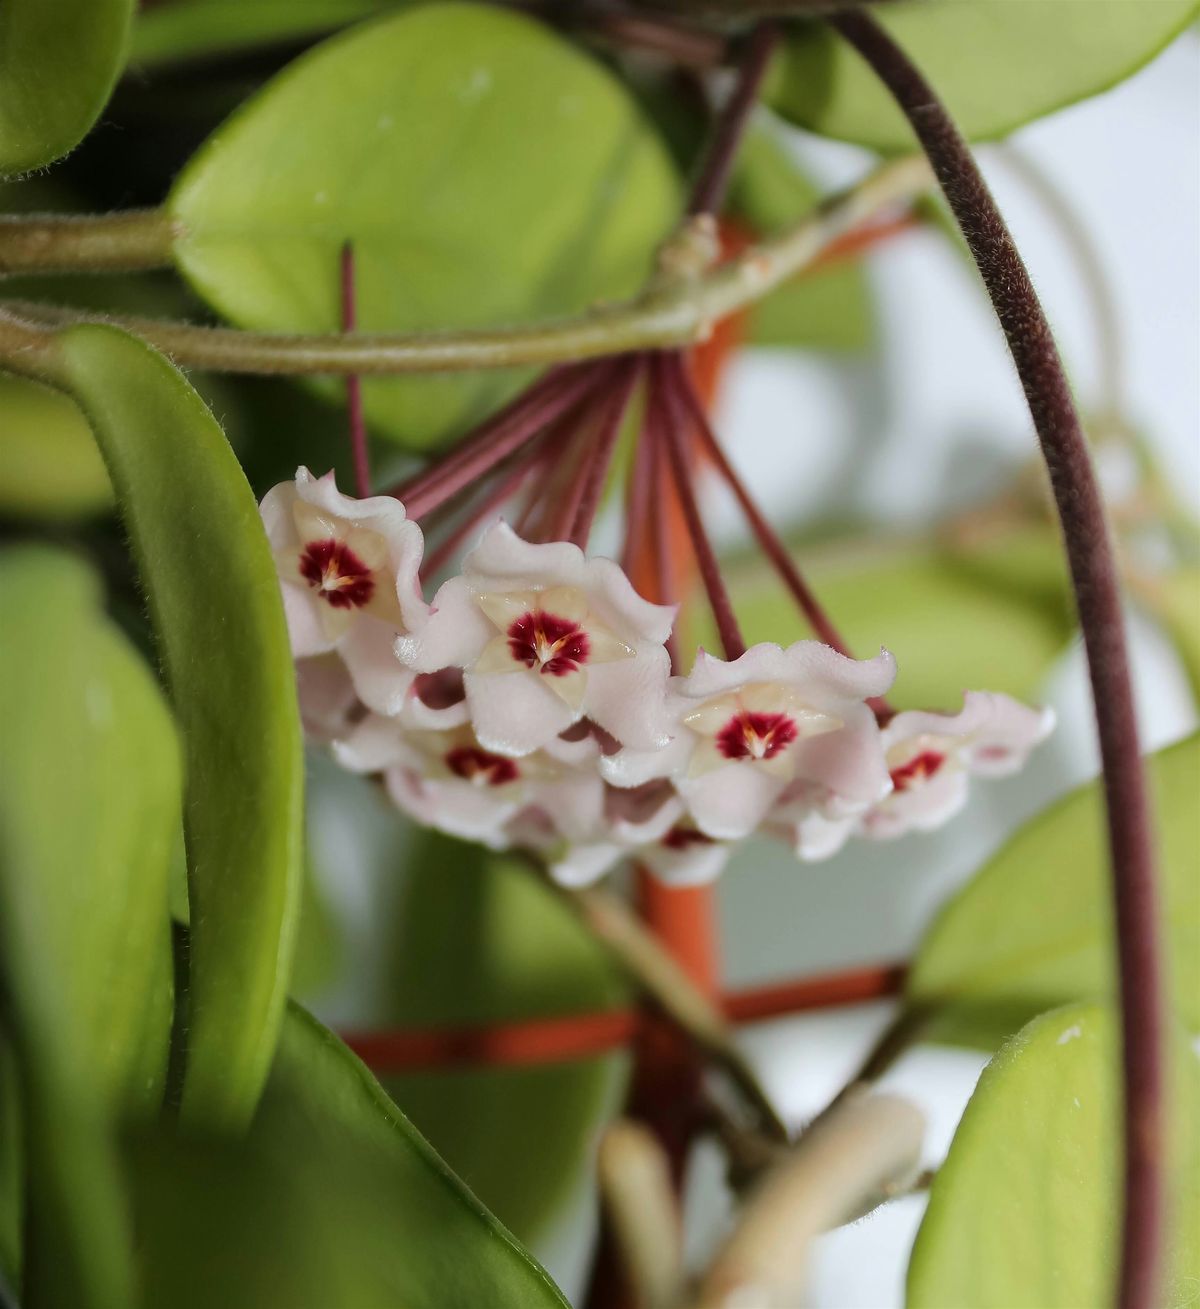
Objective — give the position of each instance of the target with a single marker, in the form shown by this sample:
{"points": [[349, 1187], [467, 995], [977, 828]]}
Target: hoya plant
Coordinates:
{"points": [[379, 706]]}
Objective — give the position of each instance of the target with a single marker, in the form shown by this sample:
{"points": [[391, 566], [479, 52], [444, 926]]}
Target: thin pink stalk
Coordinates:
{"points": [[661, 525], [602, 455], [565, 494], [500, 440], [674, 429], [504, 490], [354, 402], [638, 496]]}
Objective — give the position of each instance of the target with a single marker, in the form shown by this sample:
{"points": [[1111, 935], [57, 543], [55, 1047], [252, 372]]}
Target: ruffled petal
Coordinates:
{"points": [[502, 561], [515, 714], [381, 680], [729, 803], [452, 635], [628, 698]]}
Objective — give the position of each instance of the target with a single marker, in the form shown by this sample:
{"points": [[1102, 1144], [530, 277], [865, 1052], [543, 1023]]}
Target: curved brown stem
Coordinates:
{"points": [[1097, 595]]}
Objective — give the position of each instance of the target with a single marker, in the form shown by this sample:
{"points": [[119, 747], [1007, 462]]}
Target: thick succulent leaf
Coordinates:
{"points": [[214, 600], [1034, 929], [12, 1171], [481, 941], [332, 1199], [993, 615], [52, 468], [486, 170], [825, 309], [58, 62], [1026, 1208], [996, 64], [90, 793]]}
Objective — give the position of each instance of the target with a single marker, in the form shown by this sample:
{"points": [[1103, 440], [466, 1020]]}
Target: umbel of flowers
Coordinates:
{"points": [[536, 699]]}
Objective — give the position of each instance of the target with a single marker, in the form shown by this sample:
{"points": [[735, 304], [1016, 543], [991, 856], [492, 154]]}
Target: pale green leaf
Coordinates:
{"points": [[332, 1199], [90, 792], [1026, 1208], [214, 601], [481, 941], [1033, 928], [996, 64], [58, 62], [486, 170]]}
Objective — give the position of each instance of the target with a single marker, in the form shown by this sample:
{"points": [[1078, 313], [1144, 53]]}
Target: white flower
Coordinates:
{"points": [[747, 729], [349, 570], [930, 758], [546, 636]]}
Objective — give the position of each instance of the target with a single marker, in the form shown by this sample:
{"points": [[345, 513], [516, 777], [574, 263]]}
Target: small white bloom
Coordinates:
{"points": [[930, 758], [349, 570], [746, 730], [545, 637]]}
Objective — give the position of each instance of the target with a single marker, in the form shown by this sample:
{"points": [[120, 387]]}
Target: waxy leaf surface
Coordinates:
{"points": [[90, 793], [1034, 928], [58, 62], [485, 169], [332, 1199], [996, 64], [214, 601], [1026, 1208]]}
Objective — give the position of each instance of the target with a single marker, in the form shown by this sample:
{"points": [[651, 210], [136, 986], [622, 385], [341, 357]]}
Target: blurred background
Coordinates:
{"points": [[911, 436]]}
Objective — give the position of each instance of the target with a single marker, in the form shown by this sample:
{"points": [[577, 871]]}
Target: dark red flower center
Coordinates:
{"points": [[683, 838], [756, 736], [337, 574], [476, 765], [550, 644], [918, 769]]}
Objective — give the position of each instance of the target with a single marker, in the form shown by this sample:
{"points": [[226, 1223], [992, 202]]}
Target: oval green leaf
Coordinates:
{"points": [[90, 792], [52, 468], [1033, 928], [486, 171], [993, 615], [996, 64], [481, 941], [215, 605], [58, 62], [1026, 1208], [332, 1199]]}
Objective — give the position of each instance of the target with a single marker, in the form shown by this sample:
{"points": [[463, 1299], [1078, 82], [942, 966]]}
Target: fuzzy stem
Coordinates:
{"points": [[1097, 596], [708, 193], [677, 316], [133, 241], [673, 427], [354, 403]]}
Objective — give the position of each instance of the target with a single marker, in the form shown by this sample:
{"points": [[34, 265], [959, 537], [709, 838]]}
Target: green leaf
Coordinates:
{"points": [[89, 800], [990, 616], [996, 64], [1033, 928], [826, 309], [1176, 604], [1026, 1208], [481, 941], [486, 171], [215, 604], [52, 468], [333, 1199], [58, 62], [191, 29]]}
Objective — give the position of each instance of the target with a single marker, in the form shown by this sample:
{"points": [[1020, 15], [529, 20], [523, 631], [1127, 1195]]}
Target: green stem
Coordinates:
{"points": [[680, 314], [132, 241]]}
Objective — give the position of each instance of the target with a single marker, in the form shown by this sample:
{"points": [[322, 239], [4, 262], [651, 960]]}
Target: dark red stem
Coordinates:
{"points": [[1097, 596], [602, 455], [673, 432], [708, 192], [354, 403]]}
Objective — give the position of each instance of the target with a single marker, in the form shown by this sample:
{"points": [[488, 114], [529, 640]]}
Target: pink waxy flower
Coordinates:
{"points": [[546, 636], [930, 758], [349, 572], [745, 730]]}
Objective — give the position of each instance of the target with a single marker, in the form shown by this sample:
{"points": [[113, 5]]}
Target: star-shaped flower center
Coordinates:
{"points": [[476, 765], [756, 736], [337, 574], [917, 769], [549, 643]]}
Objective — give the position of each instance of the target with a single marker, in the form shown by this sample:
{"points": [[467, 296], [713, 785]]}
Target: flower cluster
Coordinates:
{"points": [[531, 705]]}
